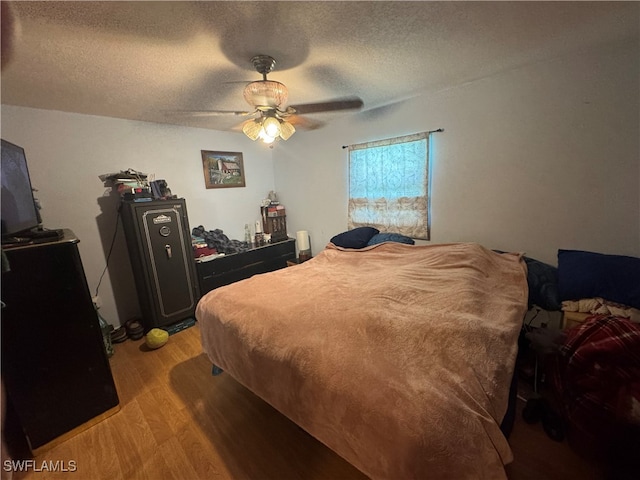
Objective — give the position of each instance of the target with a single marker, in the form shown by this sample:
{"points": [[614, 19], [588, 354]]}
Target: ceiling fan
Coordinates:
{"points": [[268, 97]]}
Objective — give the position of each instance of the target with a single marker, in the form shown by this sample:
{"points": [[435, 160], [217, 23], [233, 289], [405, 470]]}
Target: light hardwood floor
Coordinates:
{"points": [[178, 422]]}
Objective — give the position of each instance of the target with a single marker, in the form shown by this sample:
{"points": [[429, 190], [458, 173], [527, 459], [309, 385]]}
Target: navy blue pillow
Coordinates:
{"points": [[390, 237], [587, 275], [356, 238]]}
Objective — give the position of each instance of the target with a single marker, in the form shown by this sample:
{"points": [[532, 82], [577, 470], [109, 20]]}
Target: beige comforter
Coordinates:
{"points": [[397, 357]]}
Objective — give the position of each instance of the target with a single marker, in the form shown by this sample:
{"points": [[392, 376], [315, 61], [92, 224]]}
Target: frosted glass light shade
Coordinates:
{"points": [[271, 126], [286, 130], [266, 138], [265, 93], [252, 128], [268, 129]]}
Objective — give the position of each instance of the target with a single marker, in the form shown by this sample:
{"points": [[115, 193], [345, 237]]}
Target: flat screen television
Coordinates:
{"points": [[19, 211]]}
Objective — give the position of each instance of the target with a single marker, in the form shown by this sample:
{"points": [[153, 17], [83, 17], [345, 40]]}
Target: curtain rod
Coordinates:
{"points": [[429, 132]]}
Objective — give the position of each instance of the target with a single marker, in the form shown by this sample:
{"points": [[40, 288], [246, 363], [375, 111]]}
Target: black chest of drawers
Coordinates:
{"points": [[227, 269], [54, 365]]}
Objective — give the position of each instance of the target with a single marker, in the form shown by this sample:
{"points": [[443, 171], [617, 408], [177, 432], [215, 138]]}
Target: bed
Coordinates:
{"points": [[398, 357]]}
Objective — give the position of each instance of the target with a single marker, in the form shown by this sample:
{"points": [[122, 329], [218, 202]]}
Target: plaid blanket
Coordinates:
{"points": [[597, 378]]}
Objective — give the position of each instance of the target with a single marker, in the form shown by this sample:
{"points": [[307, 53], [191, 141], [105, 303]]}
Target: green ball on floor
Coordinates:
{"points": [[156, 338]]}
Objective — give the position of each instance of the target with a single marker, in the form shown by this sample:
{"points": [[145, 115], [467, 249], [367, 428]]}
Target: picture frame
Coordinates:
{"points": [[223, 169]]}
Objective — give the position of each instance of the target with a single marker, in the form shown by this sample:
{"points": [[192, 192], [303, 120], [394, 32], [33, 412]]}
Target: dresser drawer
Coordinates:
{"points": [[238, 266]]}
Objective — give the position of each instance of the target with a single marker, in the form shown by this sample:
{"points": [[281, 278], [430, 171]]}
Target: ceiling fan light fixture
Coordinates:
{"points": [[268, 129], [265, 93], [252, 128], [271, 127], [268, 99], [266, 138], [286, 130]]}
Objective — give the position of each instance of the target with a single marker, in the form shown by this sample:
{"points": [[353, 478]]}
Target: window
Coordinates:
{"points": [[389, 185]]}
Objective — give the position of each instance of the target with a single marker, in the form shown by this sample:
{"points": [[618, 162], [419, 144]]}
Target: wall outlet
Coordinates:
{"points": [[97, 301]]}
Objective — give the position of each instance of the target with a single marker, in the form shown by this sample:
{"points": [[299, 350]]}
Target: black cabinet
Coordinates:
{"points": [[54, 366], [159, 244], [238, 266]]}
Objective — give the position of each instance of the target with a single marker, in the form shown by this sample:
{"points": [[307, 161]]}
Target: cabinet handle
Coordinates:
{"points": [[167, 248]]}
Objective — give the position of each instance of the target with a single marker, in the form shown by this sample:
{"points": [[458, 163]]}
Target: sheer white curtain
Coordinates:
{"points": [[388, 185]]}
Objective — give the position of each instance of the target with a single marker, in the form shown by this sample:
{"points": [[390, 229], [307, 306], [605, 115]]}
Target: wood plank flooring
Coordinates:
{"points": [[178, 422]]}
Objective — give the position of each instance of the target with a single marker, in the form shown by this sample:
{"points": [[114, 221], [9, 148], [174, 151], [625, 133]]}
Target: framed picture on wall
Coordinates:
{"points": [[222, 169]]}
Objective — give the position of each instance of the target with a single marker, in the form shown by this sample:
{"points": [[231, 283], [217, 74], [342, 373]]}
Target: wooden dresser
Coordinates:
{"points": [[231, 268]]}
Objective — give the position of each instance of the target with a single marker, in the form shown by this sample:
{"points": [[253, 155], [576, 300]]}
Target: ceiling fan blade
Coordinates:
{"points": [[350, 103], [303, 123], [237, 127], [212, 113]]}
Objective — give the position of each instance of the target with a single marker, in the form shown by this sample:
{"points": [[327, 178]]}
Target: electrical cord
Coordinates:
{"points": [[113, 241]]}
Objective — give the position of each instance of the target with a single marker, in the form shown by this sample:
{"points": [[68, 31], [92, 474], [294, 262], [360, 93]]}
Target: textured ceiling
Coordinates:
{"points": [[146, 60]]}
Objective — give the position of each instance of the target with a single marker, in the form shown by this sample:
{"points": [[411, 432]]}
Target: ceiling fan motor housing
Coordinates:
{"points": [[265, 93]]}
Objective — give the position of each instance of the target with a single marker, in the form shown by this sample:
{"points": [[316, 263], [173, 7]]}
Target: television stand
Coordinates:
{"points": [[54, 365]]}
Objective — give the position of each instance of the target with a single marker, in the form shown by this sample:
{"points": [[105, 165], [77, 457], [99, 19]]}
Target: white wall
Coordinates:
{"points": [[535, 159], [66, 153]]}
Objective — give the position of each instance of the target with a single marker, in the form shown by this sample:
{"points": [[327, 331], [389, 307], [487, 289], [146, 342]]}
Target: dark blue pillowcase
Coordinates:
{"points": [[587, 275], [390, 237], [356, 238]]}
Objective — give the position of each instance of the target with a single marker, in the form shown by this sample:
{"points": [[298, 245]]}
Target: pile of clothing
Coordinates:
{"points": [[216, 239], [597, 379]]}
